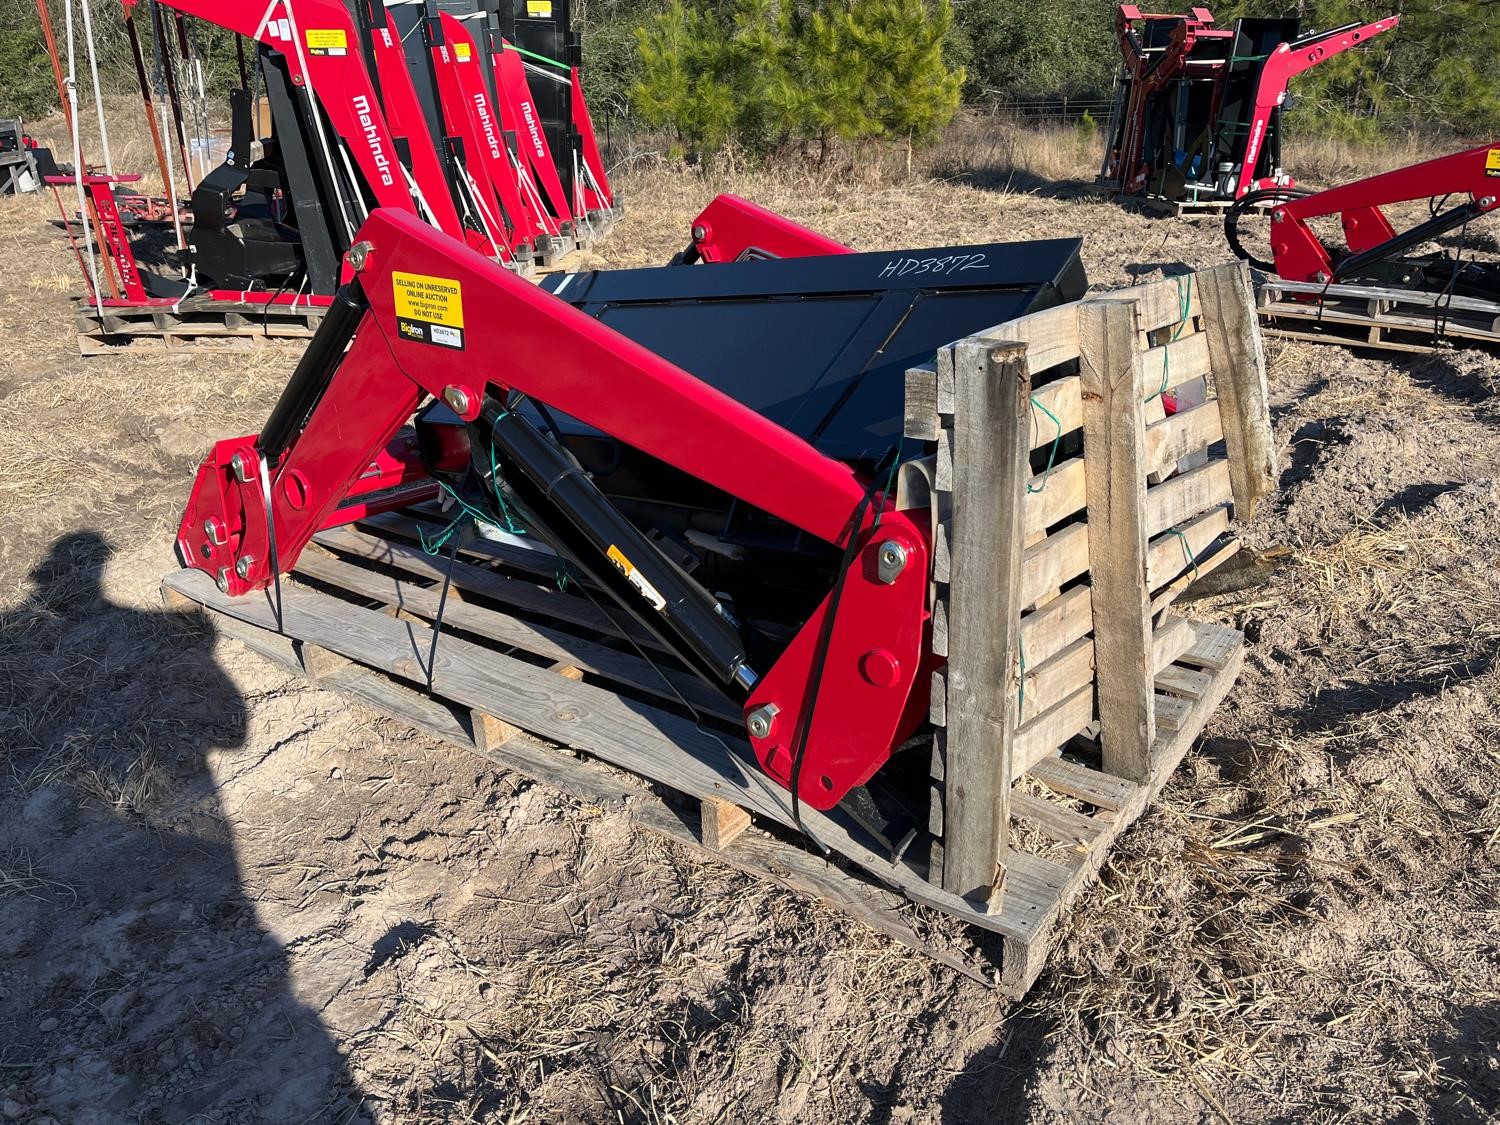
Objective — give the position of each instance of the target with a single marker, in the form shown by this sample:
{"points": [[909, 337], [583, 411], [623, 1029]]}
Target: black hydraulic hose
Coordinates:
{"points": [[325, 351], [1246, 202]]}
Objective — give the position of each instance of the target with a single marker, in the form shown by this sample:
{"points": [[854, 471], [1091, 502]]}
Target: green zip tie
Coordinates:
{"points": [[1187, 549], [1056, 441], [890, 479], [534, 55], [1186, 298], [1021, 691]]}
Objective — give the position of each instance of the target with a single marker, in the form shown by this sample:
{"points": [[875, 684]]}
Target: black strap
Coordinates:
{"points": [[437, 622]]}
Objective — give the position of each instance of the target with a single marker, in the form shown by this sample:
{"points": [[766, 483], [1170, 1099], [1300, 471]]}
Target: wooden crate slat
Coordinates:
{"points": [[1054, 680], [921, 417], [1187, 431], [1101, 790], [1180, 498], [1214, 647], [1176, 551], [1065, 825], [579, 654], [1169, 641], [1056, 625], [1049, 730], [1055, 560], [990, 413], [1172, 713], [1239, 365], [1184, 682], [1054, 495], [1115, 446], [1061, 399], [1168, 366]]}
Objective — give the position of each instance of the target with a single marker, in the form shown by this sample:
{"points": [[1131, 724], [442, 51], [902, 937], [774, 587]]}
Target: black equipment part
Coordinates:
{"points": [[315, 209], [821, 345], [559, 500], [313, 373], [544, 27]]}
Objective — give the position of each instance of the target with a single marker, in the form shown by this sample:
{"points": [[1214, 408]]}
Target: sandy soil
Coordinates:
{"points": [[226, 896]]}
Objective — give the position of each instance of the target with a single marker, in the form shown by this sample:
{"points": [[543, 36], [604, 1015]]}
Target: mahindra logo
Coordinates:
{"points": [[482, 107], [536, 139], [371, 129]]}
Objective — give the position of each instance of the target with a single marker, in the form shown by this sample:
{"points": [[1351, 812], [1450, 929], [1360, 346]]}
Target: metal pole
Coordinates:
{"points": [[64, 103], [161, 154]]}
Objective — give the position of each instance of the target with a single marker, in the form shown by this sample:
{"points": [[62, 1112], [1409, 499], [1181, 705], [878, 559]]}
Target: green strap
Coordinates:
{"points": [[539, 58], [1052, 455], [1185, 297], [1187, 549]]}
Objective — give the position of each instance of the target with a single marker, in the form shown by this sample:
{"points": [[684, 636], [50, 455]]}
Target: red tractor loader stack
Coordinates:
{"points": [[1196, 122], [340, 111], [849, 545], [1381, 288]]}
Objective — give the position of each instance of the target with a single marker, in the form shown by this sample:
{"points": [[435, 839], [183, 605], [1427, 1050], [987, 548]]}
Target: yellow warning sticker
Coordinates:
{"points": [[327, 41], [461, 52], [1492, 162], [429, 310], [539, 9], [636, 578]]}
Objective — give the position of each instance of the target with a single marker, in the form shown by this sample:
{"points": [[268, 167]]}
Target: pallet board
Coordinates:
{"points": [[1368, 316], [1179, 208], [555, 684], [195, 325]]}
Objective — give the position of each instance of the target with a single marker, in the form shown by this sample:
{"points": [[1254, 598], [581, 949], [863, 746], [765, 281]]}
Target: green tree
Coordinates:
{"points": [[767, 74]]}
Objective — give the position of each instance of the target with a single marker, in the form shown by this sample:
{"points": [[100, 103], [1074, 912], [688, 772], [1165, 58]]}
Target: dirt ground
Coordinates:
{"points": [[226, 896]]}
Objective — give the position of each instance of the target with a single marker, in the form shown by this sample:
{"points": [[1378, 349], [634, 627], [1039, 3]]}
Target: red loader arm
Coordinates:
{"points": [[731, 229], [428, 316], [1288, 61], [1301, 256]]}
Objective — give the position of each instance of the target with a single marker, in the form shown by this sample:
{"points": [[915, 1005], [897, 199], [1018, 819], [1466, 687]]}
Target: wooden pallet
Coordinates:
{"points": [[1370, 316], [1177, 208], [545, 681], [1058, 480], [196, 325]]}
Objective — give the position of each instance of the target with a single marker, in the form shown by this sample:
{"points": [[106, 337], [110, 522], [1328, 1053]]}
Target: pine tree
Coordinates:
{"points": [[769, 74]]}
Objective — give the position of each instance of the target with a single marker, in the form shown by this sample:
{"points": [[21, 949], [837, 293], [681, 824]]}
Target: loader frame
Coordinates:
{"points": [[1069, 690]]}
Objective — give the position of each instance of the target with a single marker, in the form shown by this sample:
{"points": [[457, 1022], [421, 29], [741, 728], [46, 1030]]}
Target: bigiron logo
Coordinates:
{"points": [[489, 126], [371, 131]]}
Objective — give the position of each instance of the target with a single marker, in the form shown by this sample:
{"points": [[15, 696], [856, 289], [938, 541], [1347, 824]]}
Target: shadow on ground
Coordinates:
{"points": [[997, 1085], [137, 984]]}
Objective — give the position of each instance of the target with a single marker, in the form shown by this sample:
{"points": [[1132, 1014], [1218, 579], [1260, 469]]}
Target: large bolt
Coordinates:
{"points": [[457, 398], [242, 567], [1487, 201], [700, 232], [762, 720], [241, 466], [359, 254], [223, 580], [214, 530], [890, 561]]}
